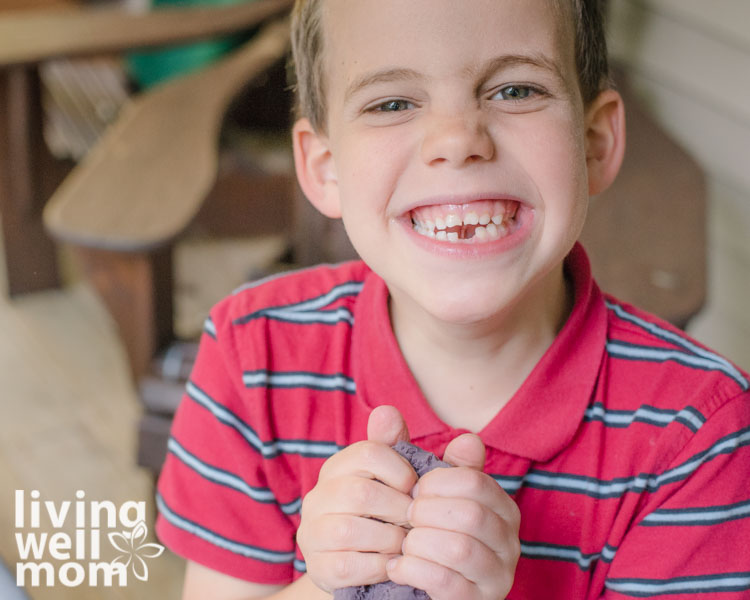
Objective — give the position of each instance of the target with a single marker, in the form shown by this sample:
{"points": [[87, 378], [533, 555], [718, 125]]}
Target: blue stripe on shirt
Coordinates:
{"points": [[722, 364], [227, 479], [299, 379], [618, 486], [698, 584], [312, 305], [696, 516], [269, 449], [263, 554], [628, 351], [540, 550], [209, 327], [650, 415]]}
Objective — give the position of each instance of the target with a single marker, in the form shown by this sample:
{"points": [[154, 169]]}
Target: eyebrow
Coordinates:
{"points": [[384, 76], [506, 61], [485, 71]]}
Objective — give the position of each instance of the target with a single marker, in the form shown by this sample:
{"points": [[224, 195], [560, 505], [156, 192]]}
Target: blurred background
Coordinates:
{"points": [[87, 395], [689, 62]]}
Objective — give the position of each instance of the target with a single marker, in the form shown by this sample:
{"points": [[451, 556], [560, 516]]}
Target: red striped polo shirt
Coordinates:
{"points": [[627, 448]]}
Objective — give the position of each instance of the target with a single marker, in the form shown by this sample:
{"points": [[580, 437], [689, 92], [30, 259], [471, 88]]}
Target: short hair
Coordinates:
{"points": [[591, 58]]}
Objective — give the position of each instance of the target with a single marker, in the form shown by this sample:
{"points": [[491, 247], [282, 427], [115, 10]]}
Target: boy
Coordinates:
{"points": [[459, 142]]}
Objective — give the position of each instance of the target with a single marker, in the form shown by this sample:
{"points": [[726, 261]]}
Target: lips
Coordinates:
{"points": [[475, 222]]}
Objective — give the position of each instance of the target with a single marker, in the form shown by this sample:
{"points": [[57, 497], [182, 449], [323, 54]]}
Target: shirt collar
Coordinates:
{"points": [[542, 416]]}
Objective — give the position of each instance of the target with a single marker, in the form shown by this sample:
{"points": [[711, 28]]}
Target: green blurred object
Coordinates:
{"points": [[150, 67]]}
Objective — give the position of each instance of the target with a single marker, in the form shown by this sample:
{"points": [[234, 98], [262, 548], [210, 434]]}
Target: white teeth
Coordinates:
{"points": [[471, 218], [452, 220], [475, 227]]}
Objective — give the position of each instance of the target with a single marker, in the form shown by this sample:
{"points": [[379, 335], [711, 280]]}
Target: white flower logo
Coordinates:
{"points": [[133, 546]]}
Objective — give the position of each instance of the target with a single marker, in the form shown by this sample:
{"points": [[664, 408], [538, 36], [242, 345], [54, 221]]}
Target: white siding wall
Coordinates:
{"points": [[689, 60]]}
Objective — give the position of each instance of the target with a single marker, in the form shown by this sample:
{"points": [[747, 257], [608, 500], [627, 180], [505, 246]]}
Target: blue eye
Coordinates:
{"points": [[393, 106], [515, 92]]}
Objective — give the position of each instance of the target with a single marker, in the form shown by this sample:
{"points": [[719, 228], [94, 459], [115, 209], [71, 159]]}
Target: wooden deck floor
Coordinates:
{"points": [[69, 408], [69, 415]]}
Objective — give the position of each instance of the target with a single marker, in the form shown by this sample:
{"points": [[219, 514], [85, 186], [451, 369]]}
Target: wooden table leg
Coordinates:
{"points": [[24, 164], [137, 290]]}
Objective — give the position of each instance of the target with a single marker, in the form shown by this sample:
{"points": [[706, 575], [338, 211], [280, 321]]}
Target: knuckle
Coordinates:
{"points": [[361, 492], [308, 503], [368, 452], [472, 516], [330, 464], [474, 482], [514, 549], [345, 566], [342, 532], [460, 550], [442, 579], [514, 516]]}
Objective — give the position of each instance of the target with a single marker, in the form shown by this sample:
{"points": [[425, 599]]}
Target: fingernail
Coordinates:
{"points": [[391, 564]]}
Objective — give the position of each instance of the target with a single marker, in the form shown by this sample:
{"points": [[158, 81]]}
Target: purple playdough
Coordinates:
{"points": [[423, 462]]}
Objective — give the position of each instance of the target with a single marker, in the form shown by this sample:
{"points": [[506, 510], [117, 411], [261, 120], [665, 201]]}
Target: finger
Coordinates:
{"points": [[386, 425], [466, 450], [357, 534], [467, 517], [357, 496], [334, 570], [370, 460], [440, 582], [462, 482], [456, 551], [461, 515]]}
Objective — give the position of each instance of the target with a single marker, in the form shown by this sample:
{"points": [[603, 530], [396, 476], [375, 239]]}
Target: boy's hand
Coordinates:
{"points": [[340, 538], [464, 542]]}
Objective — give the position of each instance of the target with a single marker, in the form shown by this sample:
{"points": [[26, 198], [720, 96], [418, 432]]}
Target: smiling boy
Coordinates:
{"points": [[600, 453]]}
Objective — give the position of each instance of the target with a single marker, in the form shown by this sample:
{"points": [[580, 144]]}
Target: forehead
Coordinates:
{"points": [[434, 35]]}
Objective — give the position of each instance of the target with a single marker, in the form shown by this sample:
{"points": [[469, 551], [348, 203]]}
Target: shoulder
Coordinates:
{"points": [[653, 364], [301, 291]]}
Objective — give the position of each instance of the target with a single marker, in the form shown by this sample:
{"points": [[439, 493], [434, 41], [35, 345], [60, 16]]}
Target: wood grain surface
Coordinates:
{"points": [[147, 177], [32, 36]]}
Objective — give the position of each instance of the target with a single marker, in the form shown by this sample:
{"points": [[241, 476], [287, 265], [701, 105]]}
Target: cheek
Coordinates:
{"points": [[555, 160], [559, 159], [369, 167]]}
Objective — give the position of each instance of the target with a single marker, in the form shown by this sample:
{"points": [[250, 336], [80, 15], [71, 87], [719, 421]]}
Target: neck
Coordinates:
{"points": [[468, 372]]}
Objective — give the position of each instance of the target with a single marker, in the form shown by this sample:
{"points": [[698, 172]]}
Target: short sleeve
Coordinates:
{"points": [[216, 506], [692, 540]]}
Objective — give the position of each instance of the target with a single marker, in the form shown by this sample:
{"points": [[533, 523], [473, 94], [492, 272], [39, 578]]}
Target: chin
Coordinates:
{"points": [[466, 308]]}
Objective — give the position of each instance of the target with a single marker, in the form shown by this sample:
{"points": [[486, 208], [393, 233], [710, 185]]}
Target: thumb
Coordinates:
{"points": [[386, 425], [466, 450]]}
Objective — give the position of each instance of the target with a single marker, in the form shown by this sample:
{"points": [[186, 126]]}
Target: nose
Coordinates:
{"points": [[457, 140]]}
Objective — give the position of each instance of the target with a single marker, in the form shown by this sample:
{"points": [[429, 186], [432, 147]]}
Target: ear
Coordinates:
{"points": [[315, 168], [605, 139]]}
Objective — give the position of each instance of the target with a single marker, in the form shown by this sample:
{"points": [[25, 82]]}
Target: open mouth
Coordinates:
{"points": [[472, 223]]}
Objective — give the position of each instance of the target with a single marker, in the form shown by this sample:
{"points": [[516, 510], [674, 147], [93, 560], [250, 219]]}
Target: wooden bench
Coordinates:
{"points": [[28, 174]]}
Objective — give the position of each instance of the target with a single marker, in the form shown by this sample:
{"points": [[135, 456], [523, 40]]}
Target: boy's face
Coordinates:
{"points": [[442, 115]]}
